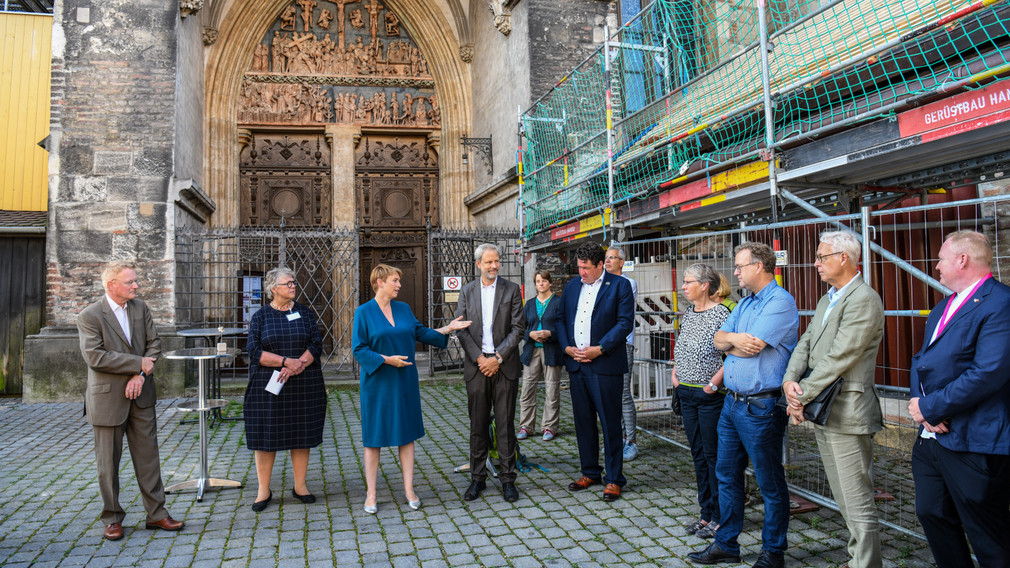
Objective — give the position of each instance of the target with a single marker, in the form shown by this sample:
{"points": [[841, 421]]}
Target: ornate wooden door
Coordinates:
{"points": [[396, 184], [285, 175]]}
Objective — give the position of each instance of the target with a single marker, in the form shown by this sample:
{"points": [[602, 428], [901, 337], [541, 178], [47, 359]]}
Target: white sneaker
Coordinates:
{"points": [[548, 435], [522, 434], [630, 451]]}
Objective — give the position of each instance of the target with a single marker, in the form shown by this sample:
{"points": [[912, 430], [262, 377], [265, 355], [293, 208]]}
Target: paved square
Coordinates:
{"points": [[49, 502]]}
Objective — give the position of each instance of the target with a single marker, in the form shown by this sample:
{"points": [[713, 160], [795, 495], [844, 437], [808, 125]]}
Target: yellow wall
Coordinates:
{"points": [[25, 53]]}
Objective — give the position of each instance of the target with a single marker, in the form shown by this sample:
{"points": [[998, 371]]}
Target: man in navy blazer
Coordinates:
{"points": [[597, 314], [961, 399]]}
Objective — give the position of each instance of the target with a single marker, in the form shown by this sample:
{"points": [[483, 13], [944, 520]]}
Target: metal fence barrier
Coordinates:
{"points": [[219, 282], [913, 233]]}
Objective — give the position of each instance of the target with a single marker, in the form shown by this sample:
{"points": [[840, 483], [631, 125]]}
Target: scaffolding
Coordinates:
{"points": [[694, 99]]}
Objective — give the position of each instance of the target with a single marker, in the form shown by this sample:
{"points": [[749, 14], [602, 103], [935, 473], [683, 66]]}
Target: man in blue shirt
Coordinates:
{"points": [[758, 338]]}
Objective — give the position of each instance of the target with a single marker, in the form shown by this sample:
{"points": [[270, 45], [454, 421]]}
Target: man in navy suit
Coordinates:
{"points": [[961, 399], [597, 314]]}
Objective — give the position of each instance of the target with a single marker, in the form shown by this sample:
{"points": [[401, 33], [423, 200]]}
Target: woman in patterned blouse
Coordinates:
{"points": [[697, 375]]}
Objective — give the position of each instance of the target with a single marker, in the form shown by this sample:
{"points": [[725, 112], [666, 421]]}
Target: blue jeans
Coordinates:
{"points": [[752, 429], [629, 415], [701, 412]]}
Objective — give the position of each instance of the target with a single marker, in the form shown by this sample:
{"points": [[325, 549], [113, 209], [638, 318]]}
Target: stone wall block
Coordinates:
{"points": [[113, 162], [136, 189], [83, 246], [146, 217], [124, 246], [90, 189], [111, 217], [77, 160], [154, 161]]}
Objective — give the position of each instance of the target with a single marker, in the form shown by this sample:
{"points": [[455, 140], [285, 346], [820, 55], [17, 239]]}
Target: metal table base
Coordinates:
{"points": [[202, 406]]}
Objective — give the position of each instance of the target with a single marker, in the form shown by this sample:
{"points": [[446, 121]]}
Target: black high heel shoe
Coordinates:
{"points": [[307, 499], [260, 505]]}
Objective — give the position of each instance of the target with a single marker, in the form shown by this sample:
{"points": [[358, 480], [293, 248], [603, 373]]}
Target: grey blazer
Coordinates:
{"points": [[845, 345], [112, 361], [507, 329]]}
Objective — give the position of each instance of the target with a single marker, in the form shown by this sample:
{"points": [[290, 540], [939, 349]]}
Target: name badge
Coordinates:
{"points": [[293, 316]]}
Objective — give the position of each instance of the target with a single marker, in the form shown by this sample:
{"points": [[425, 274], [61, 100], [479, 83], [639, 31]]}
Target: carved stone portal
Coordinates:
{"points": [[313, 69]]}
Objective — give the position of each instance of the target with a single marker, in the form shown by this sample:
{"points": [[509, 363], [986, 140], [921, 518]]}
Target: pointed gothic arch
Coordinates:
{"points": [[242, 26]]}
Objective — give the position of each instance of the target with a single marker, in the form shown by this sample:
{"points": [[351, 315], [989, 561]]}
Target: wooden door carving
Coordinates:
{"points": [[286, 175]]}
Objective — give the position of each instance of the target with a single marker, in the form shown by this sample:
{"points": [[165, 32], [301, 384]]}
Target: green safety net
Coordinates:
{"points": [[687, 91]]}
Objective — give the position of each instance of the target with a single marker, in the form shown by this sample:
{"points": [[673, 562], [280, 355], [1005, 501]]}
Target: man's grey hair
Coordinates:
{"points": [[479, 252], [112, 269], [843, 241], [619, 251], [270, 280]]}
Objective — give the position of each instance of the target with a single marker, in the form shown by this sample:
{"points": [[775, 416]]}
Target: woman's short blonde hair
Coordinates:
{"points": [[725, 290], [381, 272]]}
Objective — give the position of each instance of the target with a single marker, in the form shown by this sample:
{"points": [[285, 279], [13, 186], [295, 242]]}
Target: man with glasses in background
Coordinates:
{"points": [[758, 338], [613, 262]]}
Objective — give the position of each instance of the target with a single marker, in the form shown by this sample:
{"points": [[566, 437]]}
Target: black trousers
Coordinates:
{"points": [[485, 394], [958, 493]]}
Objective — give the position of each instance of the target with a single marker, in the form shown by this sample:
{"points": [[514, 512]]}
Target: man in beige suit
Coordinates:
{"points": [[842, 340], [120, 343]]}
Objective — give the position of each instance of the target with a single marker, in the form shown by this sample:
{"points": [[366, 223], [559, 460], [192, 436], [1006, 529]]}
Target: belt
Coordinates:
{"points": [[770, 393], [490, 355]]}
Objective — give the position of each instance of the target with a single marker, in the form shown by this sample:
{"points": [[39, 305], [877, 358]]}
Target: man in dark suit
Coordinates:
{"points": [[842, 340], [597, 314], [120, 343], [961, 399], [491, 368]]}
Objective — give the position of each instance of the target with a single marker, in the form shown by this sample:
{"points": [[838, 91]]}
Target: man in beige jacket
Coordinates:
{"points": [[842, 340], [120, 343]]}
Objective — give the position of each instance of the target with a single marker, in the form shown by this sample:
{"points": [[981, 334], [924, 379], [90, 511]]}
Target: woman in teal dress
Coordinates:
{"points": [[383, 341]]}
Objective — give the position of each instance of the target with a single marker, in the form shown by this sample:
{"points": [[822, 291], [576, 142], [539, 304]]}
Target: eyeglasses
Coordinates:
{"points": [[127, 283], [820, 257], [291, 284], [686, 281], [739, 267]]}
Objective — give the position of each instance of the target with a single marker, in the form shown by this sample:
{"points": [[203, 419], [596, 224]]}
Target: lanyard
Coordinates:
{"points": [[948, 314]]}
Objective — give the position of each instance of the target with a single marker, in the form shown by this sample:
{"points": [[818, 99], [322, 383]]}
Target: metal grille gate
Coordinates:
{"points": [[219, 276], [450, 254]]}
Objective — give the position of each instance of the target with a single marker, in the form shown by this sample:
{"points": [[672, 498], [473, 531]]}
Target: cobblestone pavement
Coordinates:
{"points": [[49, 503]]}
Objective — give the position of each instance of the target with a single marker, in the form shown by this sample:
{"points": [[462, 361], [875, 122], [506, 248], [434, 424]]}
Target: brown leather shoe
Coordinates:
{"points": [[611, 493], [166, 524], [114, 531], [582, 483]]}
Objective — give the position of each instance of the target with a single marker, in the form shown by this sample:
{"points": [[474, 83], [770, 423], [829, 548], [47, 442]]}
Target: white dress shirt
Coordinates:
{"points": [[487, 315], [124, 320], [584, 313]]}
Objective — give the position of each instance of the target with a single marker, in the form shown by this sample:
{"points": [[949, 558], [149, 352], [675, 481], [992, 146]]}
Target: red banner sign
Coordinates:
{"points": [[956, 109]]}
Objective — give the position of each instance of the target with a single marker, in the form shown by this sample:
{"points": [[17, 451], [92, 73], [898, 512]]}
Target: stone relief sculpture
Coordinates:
{"points": [[501, 10], [325, 17], [356, 20], [351, 75], [392, 24], [288, 19], [189, 7], [307, 6]]}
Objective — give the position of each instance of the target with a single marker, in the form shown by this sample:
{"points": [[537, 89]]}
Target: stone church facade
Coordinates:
{"points": [[172, 116]]}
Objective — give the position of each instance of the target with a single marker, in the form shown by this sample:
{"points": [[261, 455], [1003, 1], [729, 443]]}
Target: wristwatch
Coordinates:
{"points": [[498, 357], [602, 350]]}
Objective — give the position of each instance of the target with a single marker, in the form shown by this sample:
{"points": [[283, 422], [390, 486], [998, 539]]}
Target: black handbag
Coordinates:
{"points": [[818, 409]]}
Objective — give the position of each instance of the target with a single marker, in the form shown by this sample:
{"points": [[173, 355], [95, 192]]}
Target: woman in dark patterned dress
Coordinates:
{"points": [[284, 337], [383, 342], [697, 375]]}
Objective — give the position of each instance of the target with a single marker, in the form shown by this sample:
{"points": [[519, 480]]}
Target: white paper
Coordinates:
{"points": [[274, 386]]}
